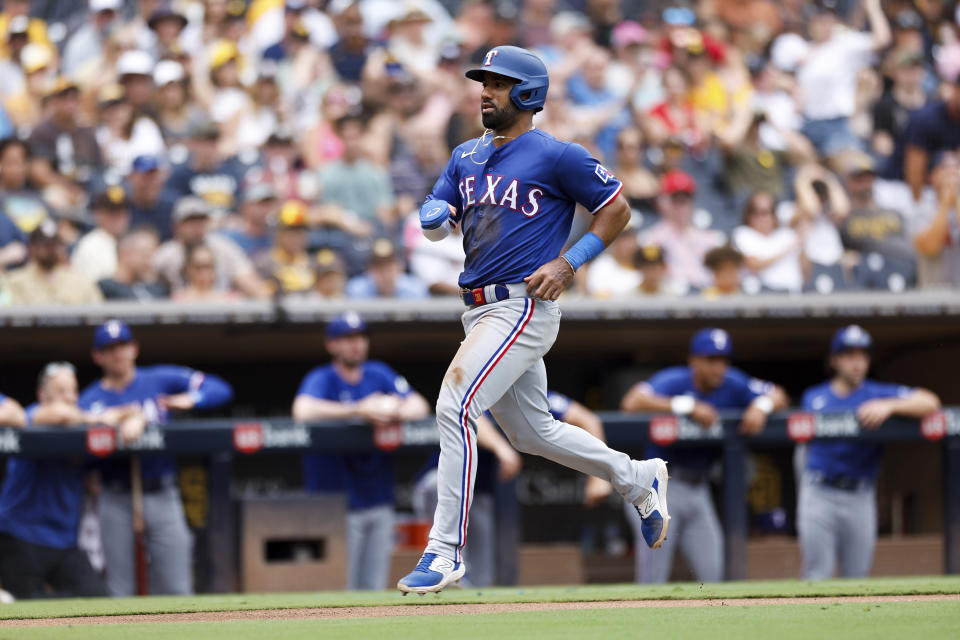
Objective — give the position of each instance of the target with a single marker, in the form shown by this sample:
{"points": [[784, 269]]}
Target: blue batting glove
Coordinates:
{"points": [[433, 214]]}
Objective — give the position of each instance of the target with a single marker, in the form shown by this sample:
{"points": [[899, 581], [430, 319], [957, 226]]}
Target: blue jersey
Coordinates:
{"points": [[486, 480], [516, 209], [846, 458], [737, 391], [41, 500], [148, 385], [367, 478]]}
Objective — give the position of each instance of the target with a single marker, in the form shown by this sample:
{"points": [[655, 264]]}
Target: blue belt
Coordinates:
{"points": [[484, 295]]}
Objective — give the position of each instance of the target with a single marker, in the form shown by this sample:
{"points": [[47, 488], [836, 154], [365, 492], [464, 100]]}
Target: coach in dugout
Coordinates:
{"points": [[707, 384], [156, 391], [41, 500], [354, 388], [837, 506]]}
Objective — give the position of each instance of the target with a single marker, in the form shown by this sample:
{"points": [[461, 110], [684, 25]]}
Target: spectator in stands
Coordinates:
{"points": [[354, 388], [125, 134], [827, 77], [85, 47], [41, 500], [349, 54], [931, 130], [684, 244], [176, 112], [936, 229], [150, 205], [837, 503], [770, 251], [200, 278], [822, 205], [48, 278], [725, 264], [18, 200], [359, 188], [36, 27], [287, 266], [66, 154], [754, 161], [25, 106], [205, 174], [12, 75], [696, 392], [252, 231], [331, 276], [134, 72], [614, 272], [384, 278], [891, 113], [652, 266], [95, 255], [640, 186], [876, 225], [157, 391], [675, 116], [135, 278], [232, 269], [167, 24]]}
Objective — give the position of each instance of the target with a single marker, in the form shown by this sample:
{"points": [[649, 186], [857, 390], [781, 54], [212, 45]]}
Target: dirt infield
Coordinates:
{"points": [[454, 609]]}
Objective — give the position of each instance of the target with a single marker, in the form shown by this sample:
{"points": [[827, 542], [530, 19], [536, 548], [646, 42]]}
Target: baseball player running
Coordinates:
{"points": [[837, 506], [513, 191]]}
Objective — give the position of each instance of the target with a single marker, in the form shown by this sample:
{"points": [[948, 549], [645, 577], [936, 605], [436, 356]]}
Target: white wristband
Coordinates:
{"points": [[764, 403], [682, 405]]}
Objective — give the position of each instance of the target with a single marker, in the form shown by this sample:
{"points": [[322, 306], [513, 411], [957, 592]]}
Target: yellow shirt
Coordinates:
{"points": [[29, 285]]}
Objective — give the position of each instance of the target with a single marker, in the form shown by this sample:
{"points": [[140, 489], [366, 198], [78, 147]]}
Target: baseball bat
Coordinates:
{"points": [[139, 543]]}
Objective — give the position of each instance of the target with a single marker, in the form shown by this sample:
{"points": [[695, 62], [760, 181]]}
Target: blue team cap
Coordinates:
{"points": [[346, 324], [110, 333], [711, 342], [143, 164], [851, 337]]}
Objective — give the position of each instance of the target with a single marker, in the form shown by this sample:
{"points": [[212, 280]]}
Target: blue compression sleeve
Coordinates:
{"points": [[587, 248]]}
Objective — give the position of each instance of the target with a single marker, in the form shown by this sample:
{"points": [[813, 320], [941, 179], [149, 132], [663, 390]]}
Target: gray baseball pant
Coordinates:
{"points": [[168, 539], [694, 529], [369, 547], [835, 525], [480, 555], [499, 366]]}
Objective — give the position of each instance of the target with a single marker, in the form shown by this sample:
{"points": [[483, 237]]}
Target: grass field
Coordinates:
{"points": [[927, 620]]}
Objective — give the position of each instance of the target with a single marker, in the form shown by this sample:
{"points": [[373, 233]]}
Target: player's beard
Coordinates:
{"points": [[501, 117]]}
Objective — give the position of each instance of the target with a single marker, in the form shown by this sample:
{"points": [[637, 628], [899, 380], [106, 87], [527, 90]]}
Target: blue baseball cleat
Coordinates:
{"points": [[654, 518], [432, 574]]}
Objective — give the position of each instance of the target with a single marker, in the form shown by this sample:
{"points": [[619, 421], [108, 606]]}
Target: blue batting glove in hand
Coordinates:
{"points": [[436, 220], [434, 213]]}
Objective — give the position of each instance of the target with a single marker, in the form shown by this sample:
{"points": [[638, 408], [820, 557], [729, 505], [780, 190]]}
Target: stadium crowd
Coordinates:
{"points": [[216, 150], [209, 150]]}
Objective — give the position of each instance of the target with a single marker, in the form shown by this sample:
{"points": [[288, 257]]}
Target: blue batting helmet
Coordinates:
{"points": [[521, 65]]}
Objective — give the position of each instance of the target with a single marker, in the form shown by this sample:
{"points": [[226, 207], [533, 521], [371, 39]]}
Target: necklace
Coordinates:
{"points": [[509, 137], [482, 139]]}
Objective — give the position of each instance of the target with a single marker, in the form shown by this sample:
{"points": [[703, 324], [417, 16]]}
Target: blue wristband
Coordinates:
{"points": [[587, 248]]}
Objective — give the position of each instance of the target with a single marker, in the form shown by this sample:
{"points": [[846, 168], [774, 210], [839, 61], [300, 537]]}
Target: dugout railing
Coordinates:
{"points": [[218, 442]]}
